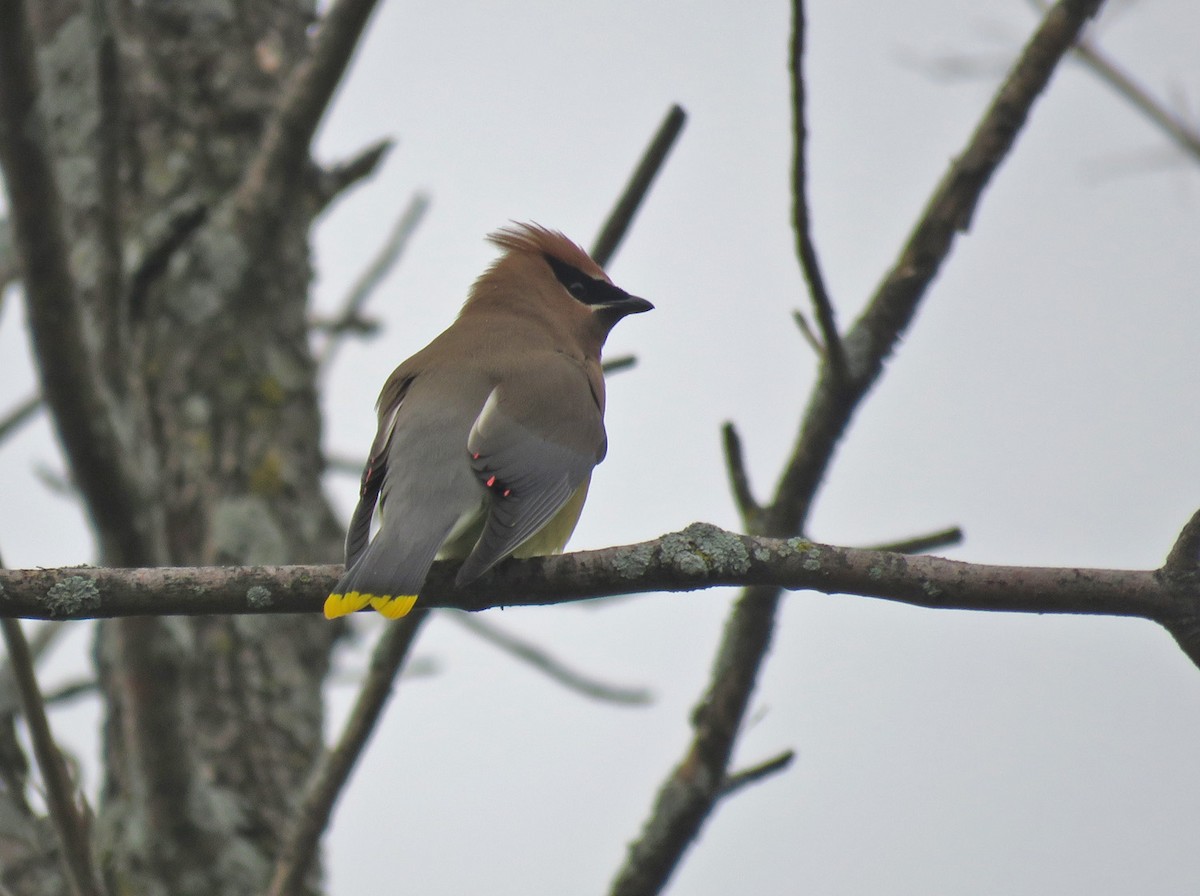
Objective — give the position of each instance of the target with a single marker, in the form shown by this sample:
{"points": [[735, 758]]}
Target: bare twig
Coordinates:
{"points": [[550, 666], [69, 821], [1185, 136], [739, 480], [621, 217], [801, 212], [616, 365], [332, 182], [10, 268], [266, 188], [43, 638], [377, 270], [332, 772], [1185, 553], [692, 789], [922, 544], [756, 773], [19, 416], [806, 331]]}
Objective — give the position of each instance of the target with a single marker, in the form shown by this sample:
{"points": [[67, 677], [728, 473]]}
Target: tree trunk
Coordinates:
{"points": [[213, 723]]}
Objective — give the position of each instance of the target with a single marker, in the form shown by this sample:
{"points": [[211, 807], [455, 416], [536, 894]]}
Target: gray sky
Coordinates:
{"points": [[1044, 400]]}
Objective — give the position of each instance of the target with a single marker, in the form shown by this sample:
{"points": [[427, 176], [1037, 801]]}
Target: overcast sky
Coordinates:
{"points": [[1045, 400]]}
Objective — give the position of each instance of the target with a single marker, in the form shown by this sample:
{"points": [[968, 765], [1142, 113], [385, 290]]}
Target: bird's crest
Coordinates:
{"points": [[539, 240]]}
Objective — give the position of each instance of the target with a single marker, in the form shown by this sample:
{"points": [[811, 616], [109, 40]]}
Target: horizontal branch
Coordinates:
{"points": [[698, 557]]}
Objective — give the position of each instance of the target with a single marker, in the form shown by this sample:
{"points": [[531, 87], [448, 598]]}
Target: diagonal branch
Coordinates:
{"points": [[801, 214], [69, 821], [329, 778], [386, 259], [550, 666], [621, 217], [692, 790], [283, 155], [19, 416], [1185, 136]]}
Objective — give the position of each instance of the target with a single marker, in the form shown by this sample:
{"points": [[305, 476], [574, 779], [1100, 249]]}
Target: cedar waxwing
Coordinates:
{"points": [[488, 435]]}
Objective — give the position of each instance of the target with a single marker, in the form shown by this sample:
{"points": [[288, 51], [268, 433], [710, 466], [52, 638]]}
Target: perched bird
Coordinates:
{"points": [[488, 435]]}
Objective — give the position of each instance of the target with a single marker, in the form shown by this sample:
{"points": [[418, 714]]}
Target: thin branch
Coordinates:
{"points": [[332, 182], [621, 362], [922, 544], [281, 159], [752, 775], [69, 821], [621, 217], [698, 557], [801, 211], [19, 416], [806, 331], [950, 209], [1185, 553], [333, 771], [1184, 135], [739, 480], [43, 639], [553, 668], [387, 257], [10, 268], [691, 790]]}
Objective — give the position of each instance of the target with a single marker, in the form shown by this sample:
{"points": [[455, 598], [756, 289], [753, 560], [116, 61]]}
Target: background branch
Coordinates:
{"points": [[299, 847], [69, 821], [550, 666], [801, 214], [621, 217], [368, 282], [692, 789], [284, 152]]}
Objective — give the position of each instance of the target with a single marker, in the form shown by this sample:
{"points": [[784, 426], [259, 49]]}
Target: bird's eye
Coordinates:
{"points": [[577, 289]]}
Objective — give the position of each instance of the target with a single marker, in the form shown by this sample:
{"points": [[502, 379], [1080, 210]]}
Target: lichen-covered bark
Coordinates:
{"points": [[212, 723]]}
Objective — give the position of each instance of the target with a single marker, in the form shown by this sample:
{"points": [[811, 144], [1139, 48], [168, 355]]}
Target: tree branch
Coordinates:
{"points": [[333, 181], [698, 557], [739, 480], [801, 215], [1184, 135], [621, 217], [370, 279], [738, 780], [330, 777], [923, 544], [692, 789], [549, 665], [19, 416], [69, 822], [271, 176]]}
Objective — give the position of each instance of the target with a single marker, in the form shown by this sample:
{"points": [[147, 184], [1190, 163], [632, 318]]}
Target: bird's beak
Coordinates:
{"points": [[624, 304]]}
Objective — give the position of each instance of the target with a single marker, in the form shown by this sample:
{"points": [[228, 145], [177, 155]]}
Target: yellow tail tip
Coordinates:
{"points": [[343, 604], [393, 606]]}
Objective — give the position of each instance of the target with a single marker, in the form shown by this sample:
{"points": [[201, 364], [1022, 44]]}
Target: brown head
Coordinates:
{"points": [[543, 275]]}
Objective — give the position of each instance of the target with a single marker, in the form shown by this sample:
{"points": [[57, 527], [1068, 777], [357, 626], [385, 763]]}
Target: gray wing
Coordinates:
{"points": [[532, 446], [375, 470]]}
